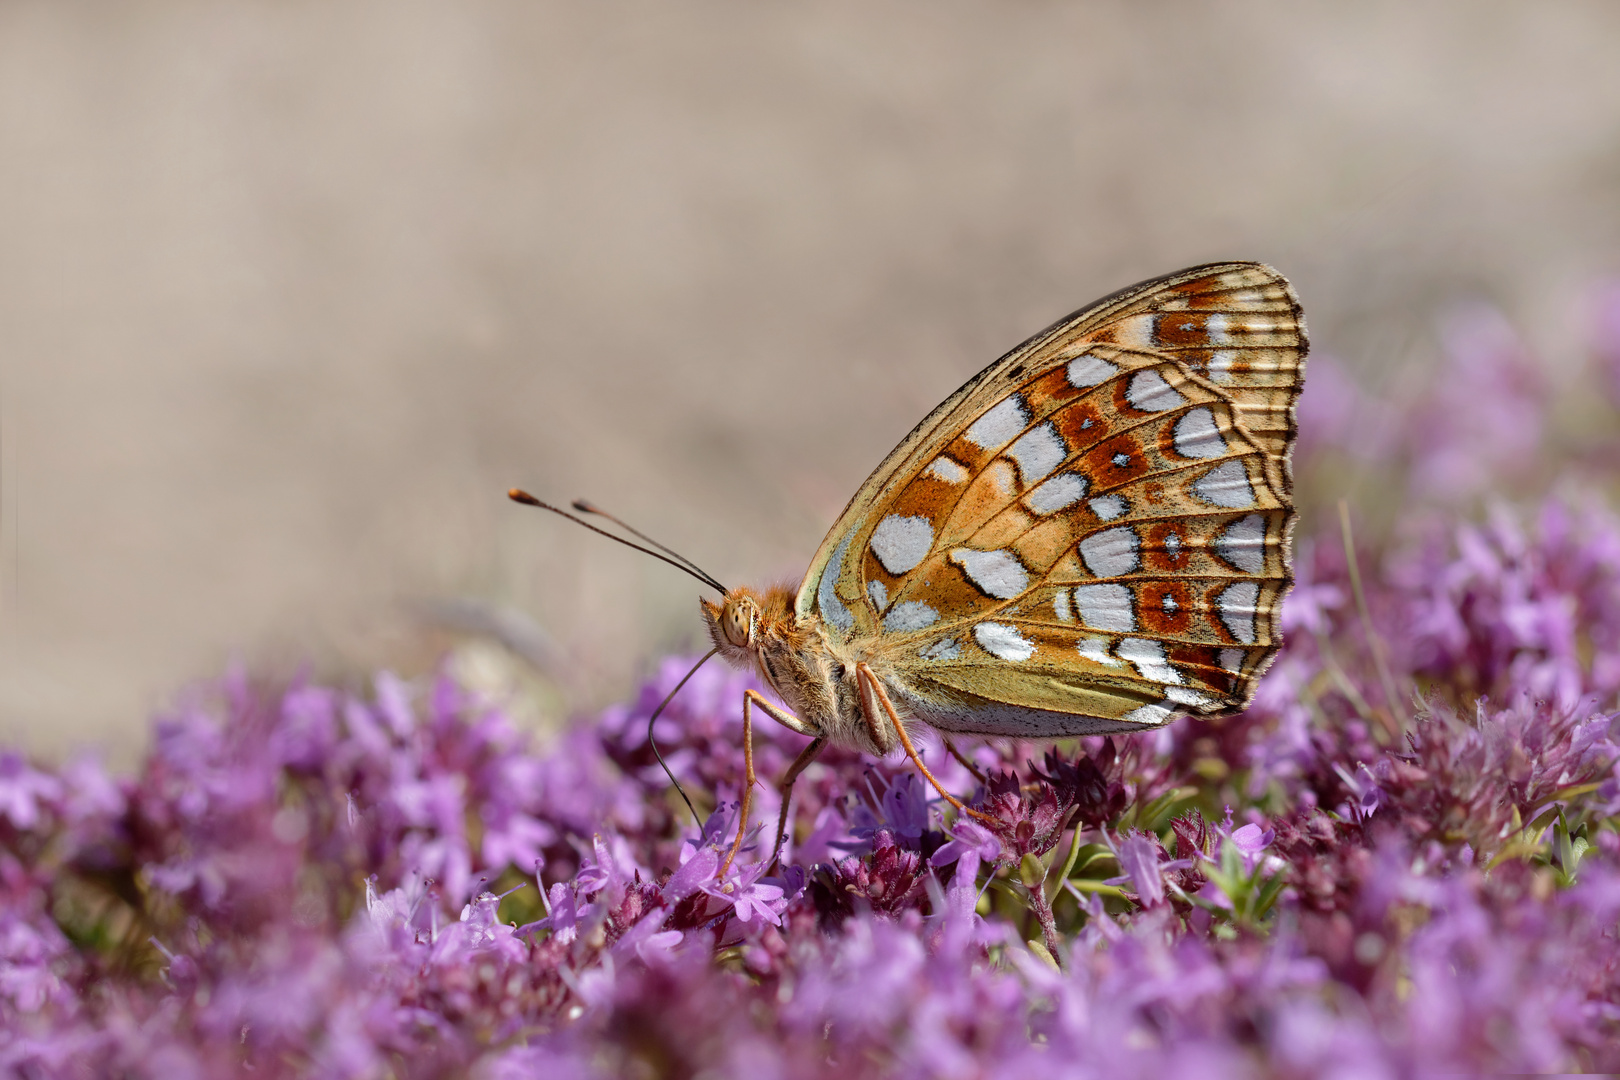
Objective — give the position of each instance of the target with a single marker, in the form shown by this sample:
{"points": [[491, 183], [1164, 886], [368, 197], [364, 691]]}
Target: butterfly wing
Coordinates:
{"points": [[1092, 534]]}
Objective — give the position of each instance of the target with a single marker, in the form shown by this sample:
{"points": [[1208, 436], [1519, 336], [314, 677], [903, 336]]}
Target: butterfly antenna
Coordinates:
{"points": [[520, 496], [585, 507], [651, 720]]}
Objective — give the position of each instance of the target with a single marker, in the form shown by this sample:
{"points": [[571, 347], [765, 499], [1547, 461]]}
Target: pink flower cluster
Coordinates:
{"points": [[1402, 860]]}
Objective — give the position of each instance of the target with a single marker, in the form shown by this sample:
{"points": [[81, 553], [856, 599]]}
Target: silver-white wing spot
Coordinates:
{"points": [[1111, 552], [1061, 606], [1108, 507], [1197, 435], [1186, 695], [1153, 715], [1095, 649], [900, 543], [1058, 493], [949, 649], [1227, 484], [1149, 658], [996, 573], [1105, 607], [878, 593], [1220, 366], [947, 470], [997, 427], [1218, 327], [1087, 370], [832, 608], [1001, 640], [1150, 393], [1236, 604], [1243, 544], [909, 615], [1232, 660], [1038, 452]]}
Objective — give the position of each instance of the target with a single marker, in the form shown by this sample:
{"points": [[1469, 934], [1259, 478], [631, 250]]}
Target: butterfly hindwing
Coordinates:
{"points": [[1092, 533]]}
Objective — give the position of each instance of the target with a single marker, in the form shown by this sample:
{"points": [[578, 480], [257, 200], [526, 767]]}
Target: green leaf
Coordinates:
{"points": [[1155, 814], [1086, 885], [1268, 895], [1039, 950]]}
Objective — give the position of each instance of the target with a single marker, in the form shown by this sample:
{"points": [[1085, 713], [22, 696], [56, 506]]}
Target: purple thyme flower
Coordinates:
{"points": [[1139, 858], [1482, 419], [970, 843], [23, 790], [1310, 603], [1250, 840], [750, 894], [1336, 414], [1418, 886]]}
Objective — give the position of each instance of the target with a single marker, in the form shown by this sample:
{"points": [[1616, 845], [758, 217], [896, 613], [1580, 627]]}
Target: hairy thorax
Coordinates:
{"points": [[814, 676]]}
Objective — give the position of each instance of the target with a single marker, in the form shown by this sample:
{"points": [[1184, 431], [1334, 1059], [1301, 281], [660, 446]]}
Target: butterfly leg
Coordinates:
{"points": [[748, 785], [781, 716], [787, 720], [872, 690], [800, 763]]}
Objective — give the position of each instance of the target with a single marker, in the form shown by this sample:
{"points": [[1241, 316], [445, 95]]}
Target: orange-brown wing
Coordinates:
{"points": [[1092, 534]]}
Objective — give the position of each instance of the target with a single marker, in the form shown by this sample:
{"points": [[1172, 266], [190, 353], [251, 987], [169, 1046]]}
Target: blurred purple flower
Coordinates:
{"points": [[1336, 414], [1250, 840], [1311, 602], [563, 922], [1483, 418], [1139, 858], [33, 953], [1425, 880], [1365, 793], [1500, 606], [968, 840], [23, 790]]}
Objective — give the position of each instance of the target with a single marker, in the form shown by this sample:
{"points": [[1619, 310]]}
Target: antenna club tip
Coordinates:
{"points": [[584, 506], [519, 495]]}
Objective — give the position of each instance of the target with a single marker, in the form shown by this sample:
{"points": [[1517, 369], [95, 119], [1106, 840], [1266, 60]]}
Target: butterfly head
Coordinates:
{"points": [[746, 621]]}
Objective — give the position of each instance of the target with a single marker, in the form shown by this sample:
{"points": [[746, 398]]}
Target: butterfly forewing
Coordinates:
{"points": [[1092, 534]]}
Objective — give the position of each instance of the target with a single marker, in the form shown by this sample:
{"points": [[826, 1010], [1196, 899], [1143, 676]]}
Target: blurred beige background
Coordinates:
{"points": [[290, 293]]}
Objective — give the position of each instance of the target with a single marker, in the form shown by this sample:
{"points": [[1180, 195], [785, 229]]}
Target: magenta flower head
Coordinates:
{"points": [[968, 841], [1418, 872], [1251, 840], [1483, 417], [1139, 857], [751, 898], [1032, 821]]}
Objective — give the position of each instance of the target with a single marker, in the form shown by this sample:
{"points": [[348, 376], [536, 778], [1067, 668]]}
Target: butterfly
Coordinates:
{"points": [[1091, 536]]}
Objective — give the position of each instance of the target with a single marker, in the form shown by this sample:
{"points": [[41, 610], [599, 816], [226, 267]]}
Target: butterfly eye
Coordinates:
{"points": [[739, 624]]}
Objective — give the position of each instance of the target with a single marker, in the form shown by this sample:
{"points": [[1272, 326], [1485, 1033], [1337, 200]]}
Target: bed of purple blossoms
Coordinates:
{"points": [[1402, 860]]}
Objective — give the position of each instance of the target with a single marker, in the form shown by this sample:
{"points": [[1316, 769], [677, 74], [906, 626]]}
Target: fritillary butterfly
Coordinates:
{"points": [[1091, 536]]}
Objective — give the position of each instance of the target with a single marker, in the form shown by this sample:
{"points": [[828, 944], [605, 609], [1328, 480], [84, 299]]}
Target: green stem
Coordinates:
{"points": [[1374, 642]]}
